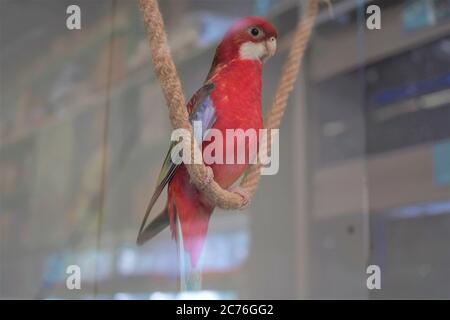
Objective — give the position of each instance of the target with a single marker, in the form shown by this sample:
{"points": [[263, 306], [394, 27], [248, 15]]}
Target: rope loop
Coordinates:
{"points": [[166, 73]]}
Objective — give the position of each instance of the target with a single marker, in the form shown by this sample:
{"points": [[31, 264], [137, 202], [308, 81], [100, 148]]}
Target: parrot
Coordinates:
{"points": [[230, 98]]}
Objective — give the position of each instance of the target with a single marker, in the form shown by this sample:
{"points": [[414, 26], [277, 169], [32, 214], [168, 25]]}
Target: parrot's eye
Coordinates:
{"points": [[255, 32]]}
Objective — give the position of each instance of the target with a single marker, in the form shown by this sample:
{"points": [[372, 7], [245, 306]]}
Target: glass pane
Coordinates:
{"points": [[363, 179]]}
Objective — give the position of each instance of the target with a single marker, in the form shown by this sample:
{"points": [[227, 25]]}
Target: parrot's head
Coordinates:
{"points": [[251, 38]]}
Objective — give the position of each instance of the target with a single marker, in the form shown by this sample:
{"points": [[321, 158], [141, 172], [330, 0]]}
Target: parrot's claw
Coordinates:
{"points": [[244, 194]]}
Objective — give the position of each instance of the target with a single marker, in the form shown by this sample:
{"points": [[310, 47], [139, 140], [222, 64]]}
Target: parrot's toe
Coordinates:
{"points": [[244, 194]]}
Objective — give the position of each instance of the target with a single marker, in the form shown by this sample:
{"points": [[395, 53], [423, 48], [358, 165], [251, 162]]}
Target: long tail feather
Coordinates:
{"points": [[156, 226], [190, 278]]}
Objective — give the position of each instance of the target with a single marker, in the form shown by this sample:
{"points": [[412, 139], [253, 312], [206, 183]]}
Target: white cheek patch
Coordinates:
{"points": [[252, 51]]}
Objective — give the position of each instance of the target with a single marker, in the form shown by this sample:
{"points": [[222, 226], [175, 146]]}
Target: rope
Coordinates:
{"points": [[166, 73]]}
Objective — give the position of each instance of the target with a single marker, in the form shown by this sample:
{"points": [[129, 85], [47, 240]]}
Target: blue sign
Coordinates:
{"points": [[441, 164], [417, 14]]}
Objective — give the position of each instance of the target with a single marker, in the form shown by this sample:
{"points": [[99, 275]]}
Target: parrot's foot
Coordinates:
{"points": [[244, 194]]}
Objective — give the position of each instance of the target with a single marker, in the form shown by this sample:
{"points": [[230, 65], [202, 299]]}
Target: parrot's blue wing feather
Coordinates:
{"points": [[204, 113]]}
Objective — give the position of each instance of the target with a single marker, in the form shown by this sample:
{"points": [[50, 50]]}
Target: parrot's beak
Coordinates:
{"points": [[271, 48]]}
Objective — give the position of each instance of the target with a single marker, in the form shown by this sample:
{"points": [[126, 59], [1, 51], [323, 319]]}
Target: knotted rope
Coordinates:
{"points": [[166, 73]]}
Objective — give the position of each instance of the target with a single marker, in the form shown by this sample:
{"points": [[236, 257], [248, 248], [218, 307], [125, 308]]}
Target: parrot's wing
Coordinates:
{"points": [[200, 108]]}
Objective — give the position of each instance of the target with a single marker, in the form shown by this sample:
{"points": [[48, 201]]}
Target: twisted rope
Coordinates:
{"points": [[166, 73]]}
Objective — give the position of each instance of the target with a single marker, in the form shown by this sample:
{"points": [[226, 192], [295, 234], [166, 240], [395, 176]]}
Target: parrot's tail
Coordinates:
{"points": [[189, 229], [156, 226], [192, 216], [190, 278]]}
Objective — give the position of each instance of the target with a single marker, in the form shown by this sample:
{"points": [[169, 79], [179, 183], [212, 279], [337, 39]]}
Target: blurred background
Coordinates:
{"points": [[364, 153]]}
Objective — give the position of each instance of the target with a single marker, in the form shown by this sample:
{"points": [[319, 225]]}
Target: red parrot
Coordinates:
{"points": [[229, 99]]}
